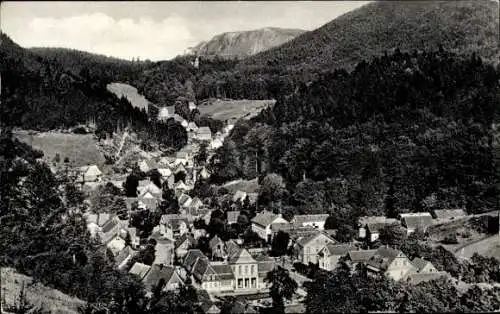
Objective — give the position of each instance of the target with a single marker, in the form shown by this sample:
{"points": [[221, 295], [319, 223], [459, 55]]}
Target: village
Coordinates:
{"points": [[185, 252]]}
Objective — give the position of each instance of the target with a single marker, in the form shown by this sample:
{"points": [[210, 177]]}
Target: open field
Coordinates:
{"points": [[233, 110], [249, 186], [37, 294], [130, 92], [489, 247], [80, 149]]}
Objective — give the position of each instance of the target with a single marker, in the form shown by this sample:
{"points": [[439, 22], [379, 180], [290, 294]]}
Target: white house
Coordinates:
{"points": [[216, 143], [261, 224], [204, 134], [163, 114], [90, 173]]}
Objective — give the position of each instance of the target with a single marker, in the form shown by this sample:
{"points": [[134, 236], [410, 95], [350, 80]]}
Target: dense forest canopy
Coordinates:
{"points": [[403, 132]]}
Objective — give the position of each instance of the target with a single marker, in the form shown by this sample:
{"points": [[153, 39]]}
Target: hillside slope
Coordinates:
{"points": [[460, 26], [237, 45]]}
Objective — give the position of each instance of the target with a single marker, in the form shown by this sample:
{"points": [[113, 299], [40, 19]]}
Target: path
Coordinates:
{"points": [[122, 142]]}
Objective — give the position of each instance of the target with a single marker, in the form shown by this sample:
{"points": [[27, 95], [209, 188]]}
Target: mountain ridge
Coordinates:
{"points": [[241, 44]]}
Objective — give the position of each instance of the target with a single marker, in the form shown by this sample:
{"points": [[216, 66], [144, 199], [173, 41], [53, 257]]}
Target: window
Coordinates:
{"points": [[252, 269], [254, 283], [240, 283], [239, 270], [247, 283], [246, 269]]}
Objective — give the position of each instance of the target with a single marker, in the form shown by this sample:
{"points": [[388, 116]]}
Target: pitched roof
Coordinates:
{"points": [[139, 269], [282, 226], [196, 202], [264, 218], [184, 198], [180, 185], [310, 218], [214, 242], [374, 219], [183, 238], [419, 263], [338, 249], [414, 222], [383, 257], [124, 254], [150, 187], [156, 273], [202, 267], [165, 172], [232, 248], [191, 258], [181, 155], [376, 226], [163, 252], [232, 216], [223, 270], [243, 256], [302, 241], [360, 256], [109, 225], [91, 170], [116, 245], [448, 213]]}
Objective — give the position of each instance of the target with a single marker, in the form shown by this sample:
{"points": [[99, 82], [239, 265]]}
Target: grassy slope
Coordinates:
{"points": [[130, 92], [463, 26], [36, 293], [80, 149], [233, 110]]}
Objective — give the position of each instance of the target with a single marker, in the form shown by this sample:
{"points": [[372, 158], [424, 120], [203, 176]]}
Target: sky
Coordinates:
{"points": [[153, 30]]}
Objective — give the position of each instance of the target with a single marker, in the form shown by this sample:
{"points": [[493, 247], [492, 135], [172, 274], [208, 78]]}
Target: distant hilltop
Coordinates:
{"points": [[238, 45]]}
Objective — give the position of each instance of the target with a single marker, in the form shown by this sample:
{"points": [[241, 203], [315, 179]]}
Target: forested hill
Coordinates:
{"points": [[460, 26], [402, 132], [94, 67]]}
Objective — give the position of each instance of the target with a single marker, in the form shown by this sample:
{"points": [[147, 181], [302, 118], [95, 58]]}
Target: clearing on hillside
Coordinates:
{"points": [[130, 92], [81, 149], [37, 294], [249, 186], [233, 110]]}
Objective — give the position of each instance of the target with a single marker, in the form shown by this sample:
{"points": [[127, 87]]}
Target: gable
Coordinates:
{"points": [[319, 240]]}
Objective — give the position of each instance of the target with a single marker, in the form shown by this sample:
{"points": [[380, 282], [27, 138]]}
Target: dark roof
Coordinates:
{"points": [[264, 218], [156, 273], [338, 249], [191, 258], [214, 242], [419, 263], [109, 225], [232, 248], [383, 257], [304, 240], [310, 218], [202, 267], [183, 238], [122, 256], [360, 255], [376, 226], [414, 222], [224, 271]]}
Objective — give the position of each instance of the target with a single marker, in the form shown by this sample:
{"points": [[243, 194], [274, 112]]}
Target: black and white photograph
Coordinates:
{"points": [[261, 157]]}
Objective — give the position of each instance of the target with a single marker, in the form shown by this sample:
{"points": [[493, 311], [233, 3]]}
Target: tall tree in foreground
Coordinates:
{"points": [[282, 287]]}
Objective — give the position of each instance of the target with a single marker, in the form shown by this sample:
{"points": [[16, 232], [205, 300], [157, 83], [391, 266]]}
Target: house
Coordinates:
{"points": [[204, 134], [372, 227], [448, 214], [217, 247], [206, 276], [239, 196], [415, 221], [423, 266], [183, 244], [192, 127], [166, 276], [364, 221], [96, 221], [163, 114], [329, 256], [196, 203], [183, 158], [245, 269], [173, 228], [151, 187], [116, 245], [140, 270], [148, 201], [232, 216], [225, 276], [90, 173], [261, 224], [168, 161], [216, 143], [393, 263], [164, 252], [204, 173], [209, 307], [124, 256], [147, 165], [307, 248], [192, 105], [316, 221], [165, 172], [191, 258], [109, 230], [416, 278], [356, 257], [184, 200]]}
